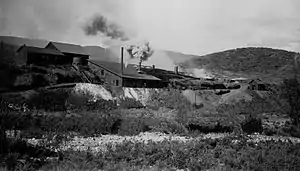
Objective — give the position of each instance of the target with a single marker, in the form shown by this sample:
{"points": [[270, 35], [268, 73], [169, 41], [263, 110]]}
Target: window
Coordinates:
{"points": [[102, 72], [117, 82]]}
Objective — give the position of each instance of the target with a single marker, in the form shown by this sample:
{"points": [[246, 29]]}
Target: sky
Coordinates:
{"points": [[189, 26]]}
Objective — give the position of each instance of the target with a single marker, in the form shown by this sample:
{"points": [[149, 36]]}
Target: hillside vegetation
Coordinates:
{"points": [[265, 63], [232, 126]]}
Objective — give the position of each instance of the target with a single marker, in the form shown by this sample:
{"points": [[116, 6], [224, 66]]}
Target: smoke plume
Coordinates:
{"points": [[108, 28], [141, 51]]}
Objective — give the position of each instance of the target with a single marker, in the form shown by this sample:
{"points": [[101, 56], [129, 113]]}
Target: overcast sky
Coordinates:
{"points": [[188, 26]]}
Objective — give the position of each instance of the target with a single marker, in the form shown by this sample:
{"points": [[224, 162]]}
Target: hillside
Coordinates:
{"points": [[19, 41], [96, 51], [264, 63], [250, 62], [162, 58]]}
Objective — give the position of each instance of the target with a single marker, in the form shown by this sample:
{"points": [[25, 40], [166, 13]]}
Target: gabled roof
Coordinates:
{"points": [[128, 72], [259, 81], [38, 50], [68, 48]]}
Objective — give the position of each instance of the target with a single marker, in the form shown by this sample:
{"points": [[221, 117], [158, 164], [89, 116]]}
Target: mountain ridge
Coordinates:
{"points": [[250, 62], [265, 63]]}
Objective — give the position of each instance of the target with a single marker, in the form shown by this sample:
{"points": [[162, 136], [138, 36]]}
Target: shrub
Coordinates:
{"points": [[195, 155], [291, 92], [173, 99], [243, 116], [50, 100], [170, 98], [134, 121], [129, 103], [23, 156], [87, 123]]}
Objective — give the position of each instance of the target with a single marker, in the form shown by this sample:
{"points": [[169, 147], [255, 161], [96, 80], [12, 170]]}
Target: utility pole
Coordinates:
{"points": [[195, 98], [122, 60], [296, 58]]}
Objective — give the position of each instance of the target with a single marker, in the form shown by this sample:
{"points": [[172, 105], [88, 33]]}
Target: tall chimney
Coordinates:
{"points": [[176, 69], [122, 60]]}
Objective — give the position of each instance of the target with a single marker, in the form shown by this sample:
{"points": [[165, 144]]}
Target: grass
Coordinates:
{"points": [[177, 117], [195, 155], [266, 63]]}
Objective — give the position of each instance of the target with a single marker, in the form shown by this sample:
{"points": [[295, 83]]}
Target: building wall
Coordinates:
{"points": [[80, 60], [50, 46], [111, 78], [107, 76], [20, 58], [9, 52], [73, 58], [140, 83], [68, 59], [44, 59], [134, 83]]}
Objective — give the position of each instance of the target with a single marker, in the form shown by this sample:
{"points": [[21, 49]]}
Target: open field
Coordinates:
{"points": [[61, 123], [166, 133]]}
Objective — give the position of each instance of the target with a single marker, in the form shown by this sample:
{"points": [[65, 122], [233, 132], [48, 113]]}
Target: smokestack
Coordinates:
{"points": [[176, 70], [153, 68], [122, 60]]}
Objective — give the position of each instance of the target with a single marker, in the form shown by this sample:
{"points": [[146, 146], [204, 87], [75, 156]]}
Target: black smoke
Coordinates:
{"points": [[101, 24]]}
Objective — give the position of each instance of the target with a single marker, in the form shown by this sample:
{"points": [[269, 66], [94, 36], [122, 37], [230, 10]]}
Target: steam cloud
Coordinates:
{"points": [[142, 51], [106, 27]]}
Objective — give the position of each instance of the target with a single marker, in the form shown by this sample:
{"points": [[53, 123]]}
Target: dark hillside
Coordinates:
{"points": [[97, 52], [265, 63], [17, 78], [20, 41]]}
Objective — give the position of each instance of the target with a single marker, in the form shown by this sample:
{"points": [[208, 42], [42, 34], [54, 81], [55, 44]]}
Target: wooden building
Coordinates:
{"points": [[74, 53], [115, 74], [40, 56], [8, 53], [257, 84]]}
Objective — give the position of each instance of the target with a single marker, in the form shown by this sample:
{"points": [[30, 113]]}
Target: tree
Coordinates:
{"points": [[291, 92], [3, 139], [142, 52], [6, 55]]}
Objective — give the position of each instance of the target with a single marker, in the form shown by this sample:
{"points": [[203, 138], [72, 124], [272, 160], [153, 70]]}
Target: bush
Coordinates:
{"points": [[252, 125], [50, 100], [129, 103], [87, 123], [291, 92], [195, 155], [134, 121], [244, 116], [170, 98], [23, 156], [173, 99]]}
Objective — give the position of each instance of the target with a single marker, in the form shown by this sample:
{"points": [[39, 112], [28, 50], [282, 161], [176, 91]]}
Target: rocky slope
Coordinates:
{"points": [[264, 63]]}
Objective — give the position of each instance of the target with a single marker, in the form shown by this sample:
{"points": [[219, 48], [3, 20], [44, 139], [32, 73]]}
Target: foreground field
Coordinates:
{"points": [[168, 133], [100, 143], [158, 151]]}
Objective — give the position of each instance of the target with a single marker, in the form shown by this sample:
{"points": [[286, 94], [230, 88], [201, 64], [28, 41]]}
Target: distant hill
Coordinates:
{"points": [[264, 63], [251, 62], [97, 52], [161, 58], [19, 41]]}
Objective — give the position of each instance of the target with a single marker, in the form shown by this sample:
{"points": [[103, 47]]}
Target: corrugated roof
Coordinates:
{"points": [[40, 50], [69, 48], [128, 72]]}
